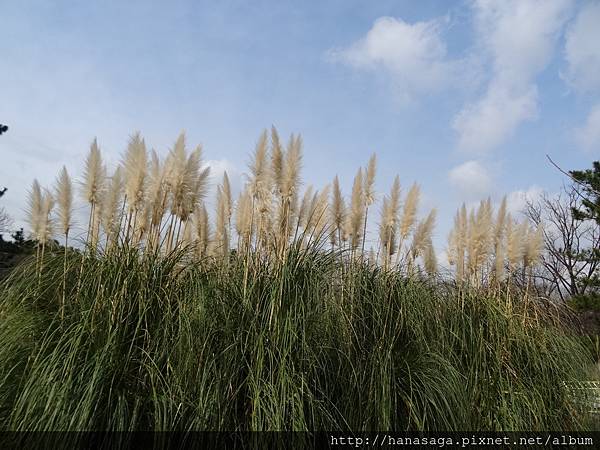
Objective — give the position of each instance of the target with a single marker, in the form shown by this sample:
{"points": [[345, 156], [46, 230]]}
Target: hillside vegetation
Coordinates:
{"points": [[169, 321]]}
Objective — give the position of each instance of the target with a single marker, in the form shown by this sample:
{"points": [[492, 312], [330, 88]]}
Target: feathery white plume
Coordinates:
{"points": [[64, 195], [93, 178]]}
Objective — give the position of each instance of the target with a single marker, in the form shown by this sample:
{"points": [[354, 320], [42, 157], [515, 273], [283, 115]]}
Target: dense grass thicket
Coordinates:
{"points": [[149, 342], [169, 321]]}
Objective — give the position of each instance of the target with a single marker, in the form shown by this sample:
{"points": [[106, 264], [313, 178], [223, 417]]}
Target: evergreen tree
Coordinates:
{"points": [[587, 184]]}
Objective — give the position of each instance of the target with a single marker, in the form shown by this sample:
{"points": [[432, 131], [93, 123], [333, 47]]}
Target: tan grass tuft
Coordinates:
{"points": [[369, 188], [261, 176], [293, 163], [157, 189], [243, 217], [93, 177], [534, 246], [357, 211], [388, 227], [64, 196], [202, 230], [276, 160], [338, 212], [34, 209], [422, 235], [221, 235], [135, 164], [409, 213], [318, 217], [111, 209], [514, 244], [227, 197], [46, 223], [303, 212], [430, 259]]}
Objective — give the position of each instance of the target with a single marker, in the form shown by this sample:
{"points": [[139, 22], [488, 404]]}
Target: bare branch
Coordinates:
{"points": [[5, 221]]}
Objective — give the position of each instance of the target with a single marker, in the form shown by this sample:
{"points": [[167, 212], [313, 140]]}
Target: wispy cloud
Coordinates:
{"points": [[519, 37], [516, 201], [471, 179], [588, 136], [217, 168], [487, 123], [582, 51], [413, 54], [582, 54]]}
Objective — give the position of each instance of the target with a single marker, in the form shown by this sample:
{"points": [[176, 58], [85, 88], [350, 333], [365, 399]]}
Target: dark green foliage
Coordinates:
{"points": [[152, 343], [11, 253], [19, 237], [587, 186], [589, 181], [585, 302]]}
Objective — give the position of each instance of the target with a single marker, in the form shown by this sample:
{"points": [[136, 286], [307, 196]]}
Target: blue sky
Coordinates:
{"points": [[464, 97]]}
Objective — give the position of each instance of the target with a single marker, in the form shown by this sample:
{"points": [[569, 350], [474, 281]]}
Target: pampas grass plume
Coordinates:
{"points": [[243, 216], [303, 212], [389, 218], [227, 197], [187, 195], [93, 175], [135, 164], [46, 223], [369, 188], [357, 210], [64, 196], [409, 212], [337, 211], [156, 189], [430, 259], [422, 234], [514, 243], [534, 245], [34, 209], [290, 181], [111, 208], [318, 218], [202, 230], [277, 160], [260, 180]]}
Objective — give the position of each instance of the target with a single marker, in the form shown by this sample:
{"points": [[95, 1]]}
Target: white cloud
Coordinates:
{"points": [[217, 169], [471, 179], [414, 54], [588, 136], [519, 37], [443, 258], [517, 200], [582, 51], [487, 123]]}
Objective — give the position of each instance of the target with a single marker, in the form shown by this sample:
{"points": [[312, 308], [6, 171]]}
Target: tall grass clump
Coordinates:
{"points": [[271, 317]]}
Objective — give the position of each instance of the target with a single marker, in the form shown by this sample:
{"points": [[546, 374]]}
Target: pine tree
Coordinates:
{"points": [[588, 182], [587, 185]]}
